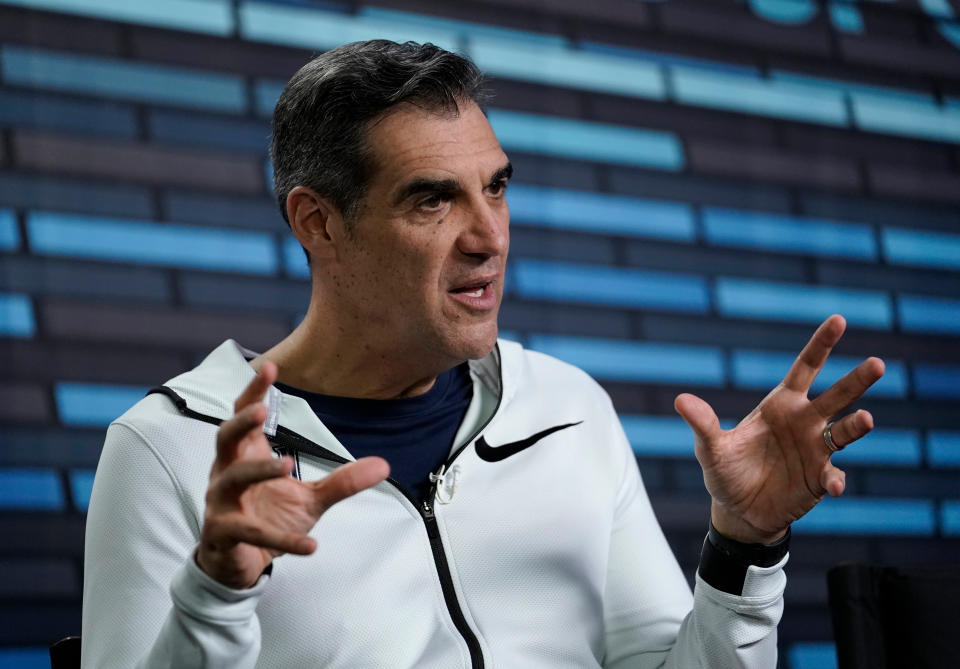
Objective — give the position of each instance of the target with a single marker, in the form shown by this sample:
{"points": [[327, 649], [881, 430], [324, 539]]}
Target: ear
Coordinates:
{"points": [[315, 222]]}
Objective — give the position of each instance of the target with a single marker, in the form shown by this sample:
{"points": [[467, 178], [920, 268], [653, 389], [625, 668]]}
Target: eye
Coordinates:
{"points": [[434, 202], [497, 188]]}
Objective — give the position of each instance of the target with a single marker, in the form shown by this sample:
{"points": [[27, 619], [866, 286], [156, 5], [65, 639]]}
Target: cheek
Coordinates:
{"points": [[426, 261], [414, 270]]}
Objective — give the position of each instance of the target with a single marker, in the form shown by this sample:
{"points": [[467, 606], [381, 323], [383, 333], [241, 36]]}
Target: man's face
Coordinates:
{"points": [[423, 269]]}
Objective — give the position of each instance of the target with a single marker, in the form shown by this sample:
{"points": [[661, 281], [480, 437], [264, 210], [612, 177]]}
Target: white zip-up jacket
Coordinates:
{"points": [[539, 549]]}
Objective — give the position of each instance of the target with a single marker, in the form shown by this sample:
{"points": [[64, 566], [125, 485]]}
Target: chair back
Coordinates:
{"points": [[895, 617], [65, 653]]}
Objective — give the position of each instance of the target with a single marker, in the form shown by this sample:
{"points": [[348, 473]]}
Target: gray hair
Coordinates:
{"points": [[321, 118]]}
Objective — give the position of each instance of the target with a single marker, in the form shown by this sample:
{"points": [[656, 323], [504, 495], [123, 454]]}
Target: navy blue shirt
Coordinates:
{"points": [[413, 434]]}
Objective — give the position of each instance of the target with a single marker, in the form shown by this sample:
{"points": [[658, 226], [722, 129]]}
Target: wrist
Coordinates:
{"points": [[724, 562], [736, 529], [210, 602], [234, 584], [749, 554]]}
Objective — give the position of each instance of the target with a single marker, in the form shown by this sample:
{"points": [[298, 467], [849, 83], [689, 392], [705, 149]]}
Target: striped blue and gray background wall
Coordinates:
{"points": [[699, 183]]}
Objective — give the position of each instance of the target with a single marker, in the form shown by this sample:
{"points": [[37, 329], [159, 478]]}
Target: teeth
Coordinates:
{"points": [[475, 293]]}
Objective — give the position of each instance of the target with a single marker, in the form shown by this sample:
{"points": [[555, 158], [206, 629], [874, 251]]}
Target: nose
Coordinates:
{"points": [[487, 232]]}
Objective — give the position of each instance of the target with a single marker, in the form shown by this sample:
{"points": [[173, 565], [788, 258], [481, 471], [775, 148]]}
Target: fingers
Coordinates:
{"points": [[698, 415], [833, 480], [850, 428], [248, 416], [847, 390], [257, 388], [808, 364], [843, 432], [242, 474], [350, 479], [246, 423], [233, 528]]}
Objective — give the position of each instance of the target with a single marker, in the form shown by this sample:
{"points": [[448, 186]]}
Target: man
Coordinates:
{"points": [[514, 530]]}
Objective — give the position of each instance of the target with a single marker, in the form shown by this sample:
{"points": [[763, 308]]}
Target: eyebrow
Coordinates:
{"points": [[503, 174], [422, 186]]}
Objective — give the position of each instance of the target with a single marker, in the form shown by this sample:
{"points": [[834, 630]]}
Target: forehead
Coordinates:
{"points": [[411, 141]]}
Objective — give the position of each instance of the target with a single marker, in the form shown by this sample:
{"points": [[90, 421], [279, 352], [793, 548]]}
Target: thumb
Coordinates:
{"points": [[699, 416], [349, 479]]}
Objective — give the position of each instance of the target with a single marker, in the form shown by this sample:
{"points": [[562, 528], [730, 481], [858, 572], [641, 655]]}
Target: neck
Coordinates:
{"points": [[325, 355]]}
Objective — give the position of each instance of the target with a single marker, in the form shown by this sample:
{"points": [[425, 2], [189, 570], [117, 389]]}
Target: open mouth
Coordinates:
{"points": [[479, 294], [475, 290]]}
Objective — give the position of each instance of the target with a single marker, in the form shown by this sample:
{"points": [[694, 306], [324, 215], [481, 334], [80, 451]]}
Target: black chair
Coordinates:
{"points": [[895, 617], [65, 654]]}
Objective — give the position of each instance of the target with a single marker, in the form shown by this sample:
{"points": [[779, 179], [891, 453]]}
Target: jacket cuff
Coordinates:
{"points": [[199, 596], [725, 564]]}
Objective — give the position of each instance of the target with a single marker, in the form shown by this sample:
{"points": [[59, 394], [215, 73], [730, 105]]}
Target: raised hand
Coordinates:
{"points": [[254, 510], [775, 465]]}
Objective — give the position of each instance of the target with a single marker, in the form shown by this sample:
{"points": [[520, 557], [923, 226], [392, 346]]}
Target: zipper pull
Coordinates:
{"points": [[430, 520]]}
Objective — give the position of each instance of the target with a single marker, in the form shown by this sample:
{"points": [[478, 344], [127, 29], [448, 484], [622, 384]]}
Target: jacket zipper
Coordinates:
{"points": [[436, 543], [446, 585]]}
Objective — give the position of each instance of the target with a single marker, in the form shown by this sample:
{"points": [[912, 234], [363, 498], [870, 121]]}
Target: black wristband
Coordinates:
{"points": [[724, 562]]}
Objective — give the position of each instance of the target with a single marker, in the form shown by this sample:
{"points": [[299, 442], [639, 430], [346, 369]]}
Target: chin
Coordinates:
{"points": [[476, 344]]}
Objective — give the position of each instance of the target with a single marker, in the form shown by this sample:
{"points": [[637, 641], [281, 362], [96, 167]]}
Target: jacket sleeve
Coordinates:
{"points": [[145, 601], [651, 620]]}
